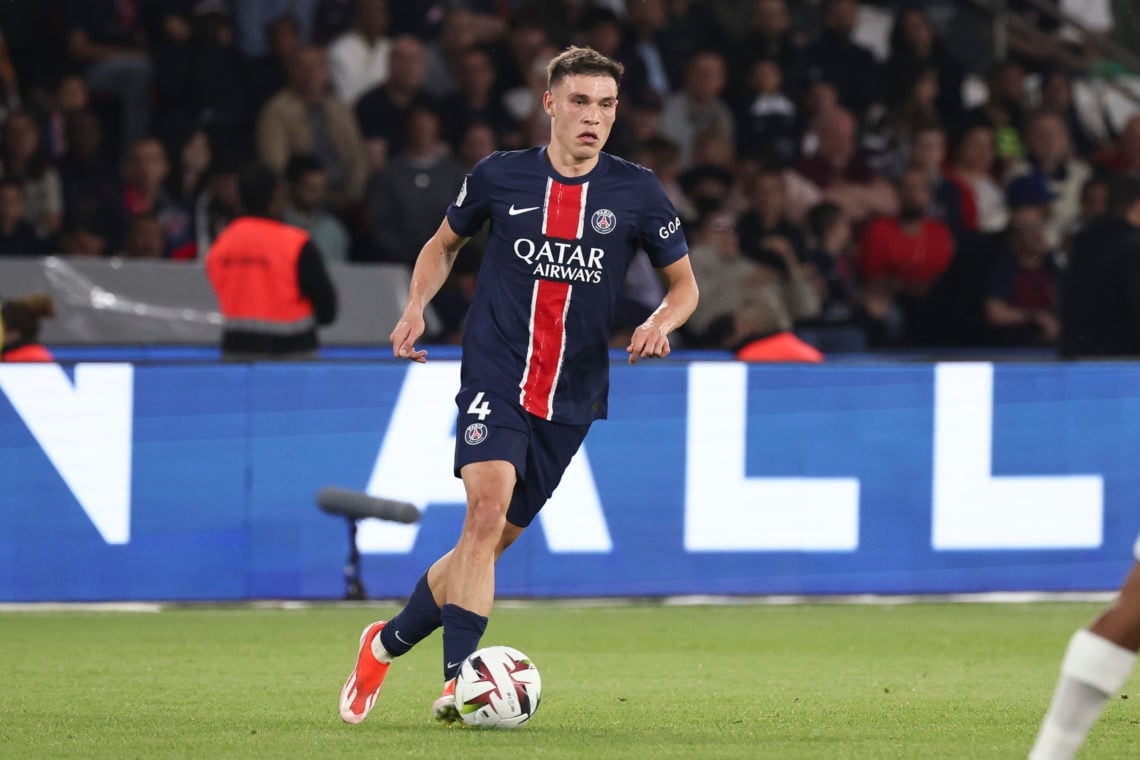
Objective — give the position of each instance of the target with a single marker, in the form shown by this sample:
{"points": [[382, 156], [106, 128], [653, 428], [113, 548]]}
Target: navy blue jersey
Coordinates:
{"points": [[559, 247]]}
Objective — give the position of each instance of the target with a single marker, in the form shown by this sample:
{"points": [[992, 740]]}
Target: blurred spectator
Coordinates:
{"points": [[526, 48], [698, 108], [1094, 202], [832, 269], [475, 101], [1021, 297], [331, 19], [647, 21], [219, 203], [305, 118], [23, 159], [255, 19], [928, 154], [525, 103], [835, 58], [971, 170], [382, 111], [107, 38], [1100, 299], [766, 118], [84, 239], [1124, 156], [837, 172], [707, 188], [69, 96], [915, 47], [17, 235], [886, 140], [271, 283], [192, 156], [765, 218], [359, 57], [269, 73], [1057, 96], [1004, 110], [663, 158], [21, 318], [9, 81], [145, 238], [692, 27], [762, 323], [92, 194], [145, 175], [407, 200], [459, 31], [719, 266], [638, 121], [305, 208], [478, 142], [901, 257], [1049, 154], [207, 83], [601, 29], [770, 37]]}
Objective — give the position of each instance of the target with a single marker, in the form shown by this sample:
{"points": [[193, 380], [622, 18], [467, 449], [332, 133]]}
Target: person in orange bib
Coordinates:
{"points": [[270, 280], [21, 321]]}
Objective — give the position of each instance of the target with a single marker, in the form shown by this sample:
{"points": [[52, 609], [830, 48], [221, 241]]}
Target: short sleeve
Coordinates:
{"points": [[472, 205], [660, 228]]}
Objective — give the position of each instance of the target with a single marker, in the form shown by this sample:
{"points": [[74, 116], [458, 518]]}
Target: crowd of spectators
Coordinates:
{"points": [[861, 200]]}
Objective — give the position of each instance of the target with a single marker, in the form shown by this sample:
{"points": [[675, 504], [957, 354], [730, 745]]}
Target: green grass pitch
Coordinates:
{"points": [[640, 681]]}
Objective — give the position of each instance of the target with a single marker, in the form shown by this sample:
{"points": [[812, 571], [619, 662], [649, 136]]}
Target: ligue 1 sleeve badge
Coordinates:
{"points": [[603, 221], [475, 434]]}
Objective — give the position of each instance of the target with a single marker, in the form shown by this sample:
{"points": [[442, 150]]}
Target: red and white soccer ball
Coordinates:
{"points": [[497, 687]]}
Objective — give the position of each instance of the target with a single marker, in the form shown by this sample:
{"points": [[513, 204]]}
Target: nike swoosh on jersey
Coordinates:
{"points": [[516, 211]]}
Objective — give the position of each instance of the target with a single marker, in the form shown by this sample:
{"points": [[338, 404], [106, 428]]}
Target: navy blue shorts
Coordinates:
{"points": [[492, 428]]}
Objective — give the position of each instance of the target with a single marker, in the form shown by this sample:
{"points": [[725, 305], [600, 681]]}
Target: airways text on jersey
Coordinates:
{"points": [[563, 218]]}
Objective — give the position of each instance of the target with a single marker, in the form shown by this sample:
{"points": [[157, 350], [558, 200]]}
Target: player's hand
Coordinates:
{"points": [[648, 341], [408, 331]]}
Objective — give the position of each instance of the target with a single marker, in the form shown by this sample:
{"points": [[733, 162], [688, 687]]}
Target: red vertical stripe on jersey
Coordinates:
{"points": [[548, 306], [564, 210]]}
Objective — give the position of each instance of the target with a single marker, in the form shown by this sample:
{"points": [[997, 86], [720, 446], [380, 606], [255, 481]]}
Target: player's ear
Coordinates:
{"points": [[548, 103]]}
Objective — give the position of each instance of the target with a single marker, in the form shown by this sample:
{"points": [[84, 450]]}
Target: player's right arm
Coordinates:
{"points": [[432, 267]]}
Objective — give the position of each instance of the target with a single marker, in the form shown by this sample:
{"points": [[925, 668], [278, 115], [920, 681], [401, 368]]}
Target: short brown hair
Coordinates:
{"points": [[581, 60]]}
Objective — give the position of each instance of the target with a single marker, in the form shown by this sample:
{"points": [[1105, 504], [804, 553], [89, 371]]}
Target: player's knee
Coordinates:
{"points": [[486, 518]]}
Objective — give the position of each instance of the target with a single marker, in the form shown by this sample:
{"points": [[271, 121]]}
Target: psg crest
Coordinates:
{"points": [[476, 433], [603, 221]]}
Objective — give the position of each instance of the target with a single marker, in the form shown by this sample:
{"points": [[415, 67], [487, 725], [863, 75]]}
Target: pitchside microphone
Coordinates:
{"points": [[357, 506]]}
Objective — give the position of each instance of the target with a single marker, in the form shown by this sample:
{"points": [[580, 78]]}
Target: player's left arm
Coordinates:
{"points": [[651, 338]]}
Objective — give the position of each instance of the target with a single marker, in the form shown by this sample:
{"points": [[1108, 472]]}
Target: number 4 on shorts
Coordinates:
{"points": [[479, 407]]}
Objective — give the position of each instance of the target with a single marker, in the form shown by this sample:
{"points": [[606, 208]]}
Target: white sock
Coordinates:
{"points": [[378, 650], [1094, 669]]}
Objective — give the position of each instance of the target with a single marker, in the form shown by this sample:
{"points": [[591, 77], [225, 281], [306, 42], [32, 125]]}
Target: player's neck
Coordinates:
{"points": [[566, 165]]}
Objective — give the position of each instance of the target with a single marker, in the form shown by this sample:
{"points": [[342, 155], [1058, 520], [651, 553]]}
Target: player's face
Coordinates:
{"points": [[582, 110]]}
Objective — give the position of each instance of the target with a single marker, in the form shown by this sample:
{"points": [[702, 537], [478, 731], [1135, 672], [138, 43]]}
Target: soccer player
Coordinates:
{"points": [[566, 221], [1096, 665]]}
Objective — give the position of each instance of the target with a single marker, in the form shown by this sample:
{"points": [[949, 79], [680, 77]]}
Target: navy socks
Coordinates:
{"points": [[413, 624], [462, 630]]}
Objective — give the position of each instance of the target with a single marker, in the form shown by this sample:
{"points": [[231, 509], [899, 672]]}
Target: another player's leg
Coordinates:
{"points": [[1097, 663]]}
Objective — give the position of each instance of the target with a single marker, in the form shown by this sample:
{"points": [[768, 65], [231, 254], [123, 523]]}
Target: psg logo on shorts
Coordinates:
{"points": [[603, 221], [475, 434]]}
